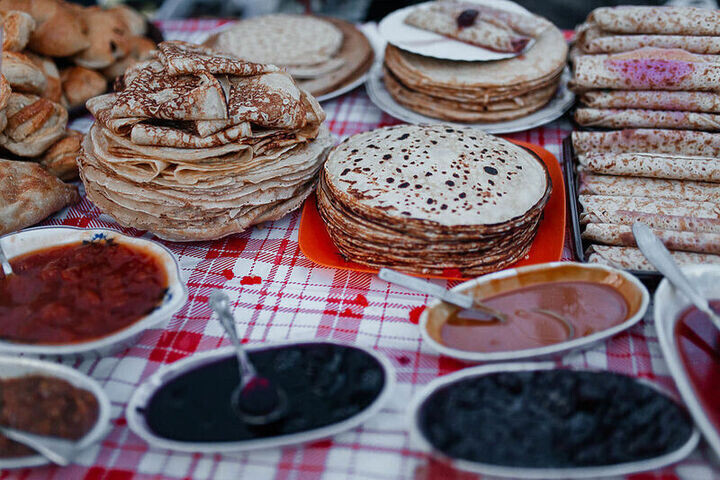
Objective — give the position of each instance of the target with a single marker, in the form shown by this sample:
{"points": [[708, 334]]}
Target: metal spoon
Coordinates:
{"points": [[256, 399], [7, 269], [58, 450], [466, 302], [658, 255]]}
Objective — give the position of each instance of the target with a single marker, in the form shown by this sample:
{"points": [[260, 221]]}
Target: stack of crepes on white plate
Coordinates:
{"points": [[649, 67], [199, 145], [432, 199], [482, 92], [668, 179], [323, 54]]}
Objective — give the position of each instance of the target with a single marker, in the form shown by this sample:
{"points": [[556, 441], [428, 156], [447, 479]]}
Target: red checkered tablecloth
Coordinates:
{"points": [[279, 294]]}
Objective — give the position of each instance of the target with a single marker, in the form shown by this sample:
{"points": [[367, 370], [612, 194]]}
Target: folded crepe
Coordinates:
{"points": [[198, 145], [591, 39], [630, 258], [622, 235], [606, 207], [647, 69], [28, 194], [612, 185], [708, 102], [652, 165], [671, 142], [477, 25], [658, 20], [635, 118]]}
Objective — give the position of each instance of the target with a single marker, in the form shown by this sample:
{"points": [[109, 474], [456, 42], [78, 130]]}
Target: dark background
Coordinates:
{"points": [[566, 14]]}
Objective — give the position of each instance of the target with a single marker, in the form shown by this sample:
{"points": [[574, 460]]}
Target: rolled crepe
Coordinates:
{"points": [[632, 118], [605, 206], [647, 69], [658, 20], [653, 166], [654, 220], [613, 185], [631, 258], [708, 102], [621, 235], [591, 39], [673, 142]]}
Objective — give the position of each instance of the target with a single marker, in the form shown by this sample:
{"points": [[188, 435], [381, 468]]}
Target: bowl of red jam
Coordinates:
{"points": [[690, 344], [50, 399], [80, 291]]}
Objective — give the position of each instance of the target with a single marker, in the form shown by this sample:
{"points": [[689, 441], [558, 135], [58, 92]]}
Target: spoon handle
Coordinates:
{"points": [[413, 283], [656, 252], [57, 450], [7, 269], [220, 304]]}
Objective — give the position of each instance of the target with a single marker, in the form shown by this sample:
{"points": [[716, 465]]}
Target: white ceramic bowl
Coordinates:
{"points": [[143, 394], [11, 367], [669, 304], [492, 284], [33, 239], [540, 473]]}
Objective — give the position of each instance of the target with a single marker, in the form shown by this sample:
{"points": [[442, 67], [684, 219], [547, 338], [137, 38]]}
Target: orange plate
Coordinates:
{"points": [[316, 244]]}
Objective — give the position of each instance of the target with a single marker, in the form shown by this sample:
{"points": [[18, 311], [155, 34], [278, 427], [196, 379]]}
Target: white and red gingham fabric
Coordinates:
{"points": [[278, 294]]}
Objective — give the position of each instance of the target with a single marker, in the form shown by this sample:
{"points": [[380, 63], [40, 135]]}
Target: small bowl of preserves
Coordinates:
{"points": [[690, 344], [549, 308], [329, 388], [46, 398], [83, 292], [529, 420]]}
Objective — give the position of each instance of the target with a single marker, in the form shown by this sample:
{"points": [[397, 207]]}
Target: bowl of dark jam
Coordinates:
{"points": [[81, 292], [330, 387], [530, 420]]}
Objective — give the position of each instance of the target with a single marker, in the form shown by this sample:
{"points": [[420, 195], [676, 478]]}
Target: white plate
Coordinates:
{"points": [[505, 281], [33, 239], [558, 105], [143, 394], [526, 472], [669, 304], [430, 44], [11, 367]]}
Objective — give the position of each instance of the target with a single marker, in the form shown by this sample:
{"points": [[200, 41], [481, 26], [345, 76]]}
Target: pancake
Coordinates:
{"points": [[323, 54], [478, 92], [424, 199], [200, 145]]}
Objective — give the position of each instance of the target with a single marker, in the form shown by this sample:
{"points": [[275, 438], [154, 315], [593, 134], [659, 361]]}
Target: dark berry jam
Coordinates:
{"points": [[553, 419], [467, 18], [324, 384]]}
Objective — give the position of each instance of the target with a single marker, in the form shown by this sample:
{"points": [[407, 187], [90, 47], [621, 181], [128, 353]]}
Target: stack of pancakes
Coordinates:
{"points": [[322, 54], [200, 145], [432, 199], [491, 91]]}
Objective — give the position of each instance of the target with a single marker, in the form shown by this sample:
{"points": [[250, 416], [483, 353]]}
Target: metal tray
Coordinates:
{"points": [[650, 279]]}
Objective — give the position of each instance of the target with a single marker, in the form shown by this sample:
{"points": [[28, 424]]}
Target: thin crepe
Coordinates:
{"points": [[671, 142], [708, 102], [612, 185], [621, 235], [652, 165], [647, 69], [630, 258], [635, 118], [658, 20]]}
